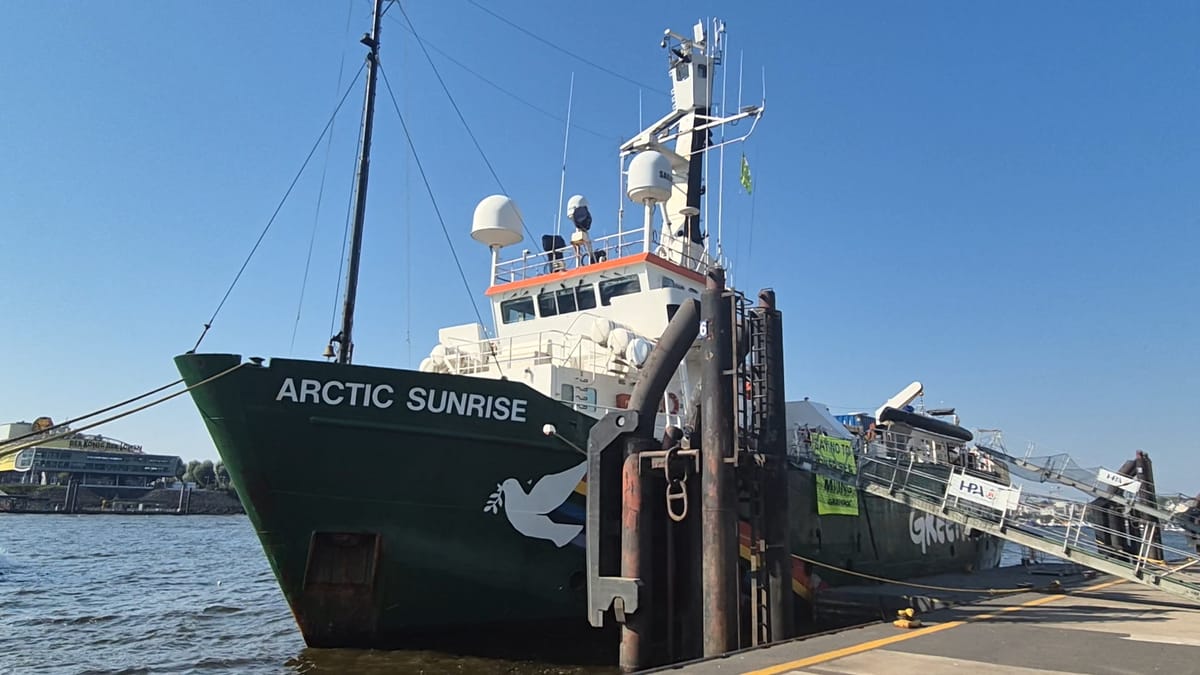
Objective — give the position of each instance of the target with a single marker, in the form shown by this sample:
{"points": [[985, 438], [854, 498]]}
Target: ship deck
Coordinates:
{"points": [[1089, 624]]}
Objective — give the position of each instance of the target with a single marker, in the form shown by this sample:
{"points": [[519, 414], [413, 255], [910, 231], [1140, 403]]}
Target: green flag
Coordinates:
{"points": [[745, 177]]}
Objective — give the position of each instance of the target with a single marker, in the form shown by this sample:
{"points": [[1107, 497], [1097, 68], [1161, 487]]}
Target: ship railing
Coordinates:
{"points": [[662, 420], [623, 243], [1078, 525], [555, 347]]}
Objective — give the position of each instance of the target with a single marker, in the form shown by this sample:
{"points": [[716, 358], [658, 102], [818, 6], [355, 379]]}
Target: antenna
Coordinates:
{"points": [[562, 181], [640, 125], [721, 173]]}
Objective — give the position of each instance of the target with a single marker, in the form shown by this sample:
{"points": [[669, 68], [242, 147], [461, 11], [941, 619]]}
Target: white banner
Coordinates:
{"points": [[985, 492], [1129, 485]]}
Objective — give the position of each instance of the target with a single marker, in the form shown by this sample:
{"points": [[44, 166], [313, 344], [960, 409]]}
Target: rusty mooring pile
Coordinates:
{"points": [[663, 549]]}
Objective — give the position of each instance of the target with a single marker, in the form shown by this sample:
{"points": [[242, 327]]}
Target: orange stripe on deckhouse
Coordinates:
{"points": [[583, 270]]}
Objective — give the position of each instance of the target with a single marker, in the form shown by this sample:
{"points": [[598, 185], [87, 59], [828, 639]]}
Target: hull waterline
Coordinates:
{"points": [[401, 508]]}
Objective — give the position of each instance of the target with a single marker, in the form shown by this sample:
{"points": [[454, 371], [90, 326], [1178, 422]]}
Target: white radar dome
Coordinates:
{"points": [[574, 203], [650, 177], [497, 222]]}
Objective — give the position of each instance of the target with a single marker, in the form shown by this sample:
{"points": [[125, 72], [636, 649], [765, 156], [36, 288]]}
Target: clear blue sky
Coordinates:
{"points": [[999, 200]]}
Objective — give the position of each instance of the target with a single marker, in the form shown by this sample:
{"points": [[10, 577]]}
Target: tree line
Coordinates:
{"points": [[205, 475]]}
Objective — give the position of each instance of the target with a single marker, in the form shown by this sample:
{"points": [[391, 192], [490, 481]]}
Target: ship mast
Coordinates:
{"points": [[344, 338]]}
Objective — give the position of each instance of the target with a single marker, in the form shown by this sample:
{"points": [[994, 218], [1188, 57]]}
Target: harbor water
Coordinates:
{"points": [[137, 595], [165, 594]]}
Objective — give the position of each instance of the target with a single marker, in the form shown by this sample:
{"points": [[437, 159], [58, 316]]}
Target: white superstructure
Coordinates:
{"points": [[576, 316]]}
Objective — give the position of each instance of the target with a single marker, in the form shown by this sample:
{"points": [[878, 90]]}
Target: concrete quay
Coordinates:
{"points": [[1081, 624]]}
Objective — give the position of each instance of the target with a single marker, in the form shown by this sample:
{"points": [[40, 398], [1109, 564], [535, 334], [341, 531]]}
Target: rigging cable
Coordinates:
{"points": [[9, 451], [406, 55], [989, 591], [562, 181], [568, 52], [429, 188], [278, 208], [71, 421], [461, 118], [337, 287], [320, 191], [516, 97]]}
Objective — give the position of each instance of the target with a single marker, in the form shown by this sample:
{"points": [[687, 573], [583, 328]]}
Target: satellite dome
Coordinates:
{"points": [[650, 177], [497, 222]]}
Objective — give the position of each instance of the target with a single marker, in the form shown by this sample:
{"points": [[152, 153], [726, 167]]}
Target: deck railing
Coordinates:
{"points": [[556, 347], [610, 247]]}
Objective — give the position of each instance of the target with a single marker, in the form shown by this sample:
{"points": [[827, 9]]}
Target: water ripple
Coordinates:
{"points": [[157, 595]]}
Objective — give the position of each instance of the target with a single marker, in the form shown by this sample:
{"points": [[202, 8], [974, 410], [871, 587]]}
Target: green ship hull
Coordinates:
{"points": [[396, 505]]}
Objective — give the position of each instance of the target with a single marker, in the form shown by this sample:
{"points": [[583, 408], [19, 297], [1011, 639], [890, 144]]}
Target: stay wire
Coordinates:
{"points": [[990, 591], [12, 450], [562, 50], [320, 191], [101, 411], [500, 88], [461, 118], [278, 208], [429, 189], [337, 287]]}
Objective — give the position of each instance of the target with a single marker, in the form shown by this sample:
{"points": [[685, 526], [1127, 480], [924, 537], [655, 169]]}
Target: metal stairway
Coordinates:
{"points": [[1122, 490], [976, 499], [752, 401]]}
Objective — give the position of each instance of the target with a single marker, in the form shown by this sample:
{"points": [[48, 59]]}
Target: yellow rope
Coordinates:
{"points": [[993, 591], [29, 444]]}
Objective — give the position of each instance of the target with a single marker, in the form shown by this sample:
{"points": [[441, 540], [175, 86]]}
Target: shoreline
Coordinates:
{"points": [[104, 500]]}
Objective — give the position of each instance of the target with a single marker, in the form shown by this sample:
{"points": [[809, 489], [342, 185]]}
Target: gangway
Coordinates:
{"points": [[1099, 483], [984, 500]]}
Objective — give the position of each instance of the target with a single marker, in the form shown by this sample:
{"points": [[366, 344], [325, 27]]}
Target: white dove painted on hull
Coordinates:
{"points": [[528, 513]]}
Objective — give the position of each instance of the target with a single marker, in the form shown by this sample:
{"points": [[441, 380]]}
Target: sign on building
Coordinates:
{"points": [[983, 492], [834, 453], [1126, 483], [835, 497]]}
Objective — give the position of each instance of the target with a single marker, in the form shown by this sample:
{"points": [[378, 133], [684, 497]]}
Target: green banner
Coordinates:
{"points": [[836, 498], [834, 453]]}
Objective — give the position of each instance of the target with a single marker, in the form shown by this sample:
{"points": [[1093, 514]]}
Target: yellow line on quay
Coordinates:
{"points": [[929, 630]]}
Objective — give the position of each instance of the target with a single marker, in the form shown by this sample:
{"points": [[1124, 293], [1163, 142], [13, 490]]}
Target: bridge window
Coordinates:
{"points": [[517, 309], [611, 288], [586, 297], [566, 300]]}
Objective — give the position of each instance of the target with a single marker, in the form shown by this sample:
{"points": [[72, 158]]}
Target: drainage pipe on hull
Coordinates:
{"points": [[636, 647], [718, 511], [635, 650], [1111, 527], [1149, 495], [664, 360], [774, 445]]}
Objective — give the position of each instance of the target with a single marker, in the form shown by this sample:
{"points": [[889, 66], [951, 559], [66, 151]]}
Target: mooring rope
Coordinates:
{"points": [[991, 591], [92, 414], [29, 444]]}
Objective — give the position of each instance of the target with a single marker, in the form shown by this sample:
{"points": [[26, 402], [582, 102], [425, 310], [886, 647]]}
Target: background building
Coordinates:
{"points": [[90, 460]]}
